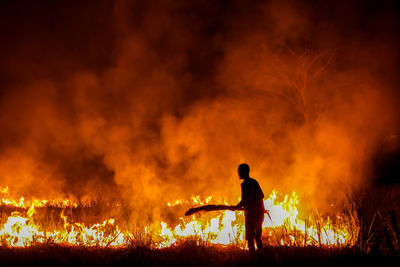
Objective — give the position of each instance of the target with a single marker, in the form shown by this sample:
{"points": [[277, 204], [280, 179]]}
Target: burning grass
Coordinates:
{"points": [[83, 234], [68, 222]]}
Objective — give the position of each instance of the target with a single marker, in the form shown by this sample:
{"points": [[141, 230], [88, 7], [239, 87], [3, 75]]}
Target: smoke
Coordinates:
{"points": [[146, 103]]}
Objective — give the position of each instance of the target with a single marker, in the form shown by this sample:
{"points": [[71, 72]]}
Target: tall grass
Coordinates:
{"points": [[373, 226]]}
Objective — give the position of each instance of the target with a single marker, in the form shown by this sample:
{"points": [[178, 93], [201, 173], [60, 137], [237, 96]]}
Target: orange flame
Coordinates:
{"points": [[283, 227]]}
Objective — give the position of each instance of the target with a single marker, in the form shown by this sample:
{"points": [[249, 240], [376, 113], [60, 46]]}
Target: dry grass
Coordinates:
{"points": [[187, 254], [374, 233]]}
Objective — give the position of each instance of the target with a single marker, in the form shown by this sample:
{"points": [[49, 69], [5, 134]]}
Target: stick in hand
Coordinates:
{"points": [[209, 208], [216, 207]]}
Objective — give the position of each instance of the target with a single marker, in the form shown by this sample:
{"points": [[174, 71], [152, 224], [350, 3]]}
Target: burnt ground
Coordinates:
{"points": [[190, 255]]}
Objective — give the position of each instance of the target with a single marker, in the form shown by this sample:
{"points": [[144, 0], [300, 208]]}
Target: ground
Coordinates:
{"points": [[190, 255]]}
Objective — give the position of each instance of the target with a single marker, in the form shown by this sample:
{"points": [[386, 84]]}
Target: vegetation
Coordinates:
{"points": [[376, 241], [188, 254]]}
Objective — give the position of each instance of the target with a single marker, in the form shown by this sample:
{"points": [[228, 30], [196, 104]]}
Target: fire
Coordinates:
{"points": [[22, 203], [282, 227]]}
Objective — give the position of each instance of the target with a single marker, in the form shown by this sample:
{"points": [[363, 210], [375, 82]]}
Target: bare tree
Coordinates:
{"points": [[296, 73]]}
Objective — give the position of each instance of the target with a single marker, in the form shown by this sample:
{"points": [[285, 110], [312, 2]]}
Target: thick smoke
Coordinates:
{"points": [[146, 103]]}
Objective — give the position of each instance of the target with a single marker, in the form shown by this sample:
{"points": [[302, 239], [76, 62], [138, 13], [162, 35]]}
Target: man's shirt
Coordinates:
{"points": [[252, 197]]}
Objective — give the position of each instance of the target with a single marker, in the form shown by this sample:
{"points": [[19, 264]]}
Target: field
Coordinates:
{"points": [[119, 117], [190, 255], [376, 241]]}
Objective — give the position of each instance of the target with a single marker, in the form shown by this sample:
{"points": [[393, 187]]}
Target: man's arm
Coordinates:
{"points": [[240, 205]]}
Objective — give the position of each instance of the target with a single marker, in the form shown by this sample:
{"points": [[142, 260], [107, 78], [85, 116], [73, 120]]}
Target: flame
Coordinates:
{"points": [[282, 227], [22, 203], [228, 227]]}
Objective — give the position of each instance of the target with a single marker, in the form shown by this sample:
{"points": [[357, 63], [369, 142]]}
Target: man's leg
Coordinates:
{"points": [[258, 234], [250, 243], [249, 227], [259, 243]]}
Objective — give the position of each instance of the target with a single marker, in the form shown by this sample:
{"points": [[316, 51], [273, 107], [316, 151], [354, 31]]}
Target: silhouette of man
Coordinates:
{"points": [[253, 205]]}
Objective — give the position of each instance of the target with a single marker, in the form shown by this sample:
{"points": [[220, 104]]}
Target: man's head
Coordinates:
{"points": [[243, 171]]}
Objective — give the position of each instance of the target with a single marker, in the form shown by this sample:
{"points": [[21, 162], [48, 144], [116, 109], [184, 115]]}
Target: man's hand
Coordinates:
{"points": [[236, 207]]}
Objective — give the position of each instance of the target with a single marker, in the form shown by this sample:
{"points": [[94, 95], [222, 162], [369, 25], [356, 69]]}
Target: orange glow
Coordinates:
{"points": [[225, 228]]}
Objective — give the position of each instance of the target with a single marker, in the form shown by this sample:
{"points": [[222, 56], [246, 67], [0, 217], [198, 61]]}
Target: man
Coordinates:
{"points": [[253, 205]]}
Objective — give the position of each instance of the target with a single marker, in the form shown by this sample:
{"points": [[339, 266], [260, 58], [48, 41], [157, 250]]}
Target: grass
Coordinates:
{"points": [[375, 240], [188, 254]]}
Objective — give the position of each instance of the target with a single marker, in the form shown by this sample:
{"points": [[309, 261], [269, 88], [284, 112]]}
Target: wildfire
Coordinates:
{"points": [[22, 203], [282, 227]]}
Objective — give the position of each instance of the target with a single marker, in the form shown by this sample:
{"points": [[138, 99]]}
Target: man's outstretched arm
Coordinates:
{"points": [[240, 205]]}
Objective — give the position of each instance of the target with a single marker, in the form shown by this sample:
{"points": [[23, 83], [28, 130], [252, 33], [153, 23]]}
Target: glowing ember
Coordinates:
{"points": [[224, 228]]}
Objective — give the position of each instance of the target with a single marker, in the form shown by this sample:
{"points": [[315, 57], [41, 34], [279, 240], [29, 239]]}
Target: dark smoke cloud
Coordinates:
{"points": [[148, 102]]}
